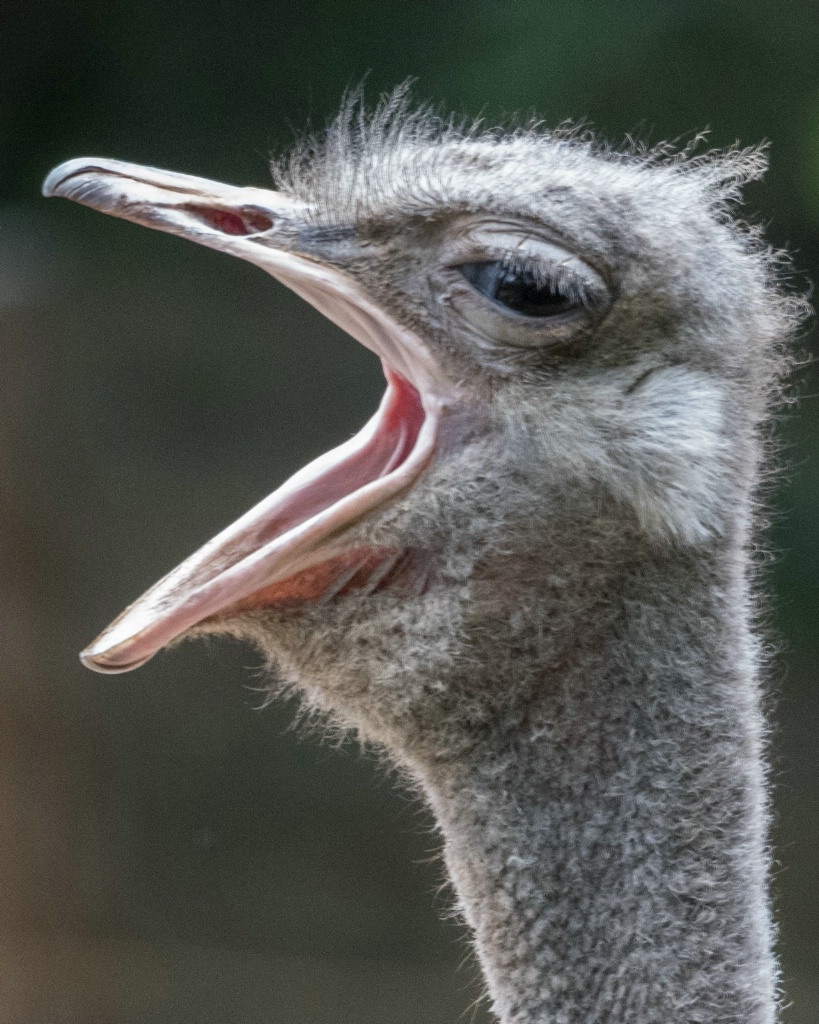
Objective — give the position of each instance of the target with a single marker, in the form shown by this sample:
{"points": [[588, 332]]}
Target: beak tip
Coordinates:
{"points": [[52, 185], [55, 177], [49, 186], [105, 660]]}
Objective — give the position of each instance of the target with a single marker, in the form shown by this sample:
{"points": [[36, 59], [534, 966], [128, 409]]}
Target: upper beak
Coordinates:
{"points": [[303, 522], [183, 204], [255, 224]]}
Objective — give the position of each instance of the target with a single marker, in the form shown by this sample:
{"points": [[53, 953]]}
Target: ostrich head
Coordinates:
{"points": [[572, 338]]}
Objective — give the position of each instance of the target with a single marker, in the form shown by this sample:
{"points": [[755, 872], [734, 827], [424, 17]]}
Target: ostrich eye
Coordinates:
{"points": [[521, 289]]}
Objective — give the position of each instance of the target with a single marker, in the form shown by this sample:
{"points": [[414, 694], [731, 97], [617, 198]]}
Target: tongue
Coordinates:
{"points": [[364, 567]]}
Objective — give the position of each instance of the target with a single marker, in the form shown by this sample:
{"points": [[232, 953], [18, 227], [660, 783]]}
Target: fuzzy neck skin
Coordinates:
{"points": [[607, 841]]}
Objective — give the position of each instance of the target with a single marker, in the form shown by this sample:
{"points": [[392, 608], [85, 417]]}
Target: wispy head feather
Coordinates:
{"points": [[366, 158]]}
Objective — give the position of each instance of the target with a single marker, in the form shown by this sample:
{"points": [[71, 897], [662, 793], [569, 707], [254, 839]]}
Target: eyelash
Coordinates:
{"points": [[557, 277]]}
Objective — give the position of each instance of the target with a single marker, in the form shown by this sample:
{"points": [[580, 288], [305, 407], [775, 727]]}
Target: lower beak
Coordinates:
{"points": [[304, 522]]}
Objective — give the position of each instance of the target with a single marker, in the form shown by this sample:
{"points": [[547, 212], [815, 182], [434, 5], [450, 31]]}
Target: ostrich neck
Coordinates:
{"points": [[607, 840]]}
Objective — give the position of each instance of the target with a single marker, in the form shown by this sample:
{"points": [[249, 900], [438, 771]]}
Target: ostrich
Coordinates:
{"points": [[529, 577]]}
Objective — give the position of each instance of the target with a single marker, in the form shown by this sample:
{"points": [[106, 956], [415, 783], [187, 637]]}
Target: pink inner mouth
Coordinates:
{"points": [[389, 447]]}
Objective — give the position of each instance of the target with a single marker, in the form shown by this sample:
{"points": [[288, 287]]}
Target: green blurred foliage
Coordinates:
{"points": [[169, 854]]}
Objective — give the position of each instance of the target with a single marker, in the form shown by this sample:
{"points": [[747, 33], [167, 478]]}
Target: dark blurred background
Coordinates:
{"points": [[168, 852]]}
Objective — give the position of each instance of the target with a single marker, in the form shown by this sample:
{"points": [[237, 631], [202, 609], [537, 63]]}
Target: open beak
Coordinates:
{"points": [[302, 524]]}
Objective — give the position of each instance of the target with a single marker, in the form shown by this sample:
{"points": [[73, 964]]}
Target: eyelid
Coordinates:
{"points": [[529, 253], [502, 238], [473, 239]]}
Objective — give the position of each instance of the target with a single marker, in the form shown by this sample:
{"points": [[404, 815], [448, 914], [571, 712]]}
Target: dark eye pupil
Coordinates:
{"points": [[518, 290]]}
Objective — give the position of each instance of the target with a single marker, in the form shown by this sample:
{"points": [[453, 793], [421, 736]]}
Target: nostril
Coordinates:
{"points": [[245, 220]]}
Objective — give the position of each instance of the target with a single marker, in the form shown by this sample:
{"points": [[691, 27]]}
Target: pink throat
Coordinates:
{"points": [[367, 567]]}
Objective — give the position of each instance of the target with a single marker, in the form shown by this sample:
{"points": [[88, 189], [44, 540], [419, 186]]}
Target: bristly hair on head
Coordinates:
{"points": [[363, 152]]}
